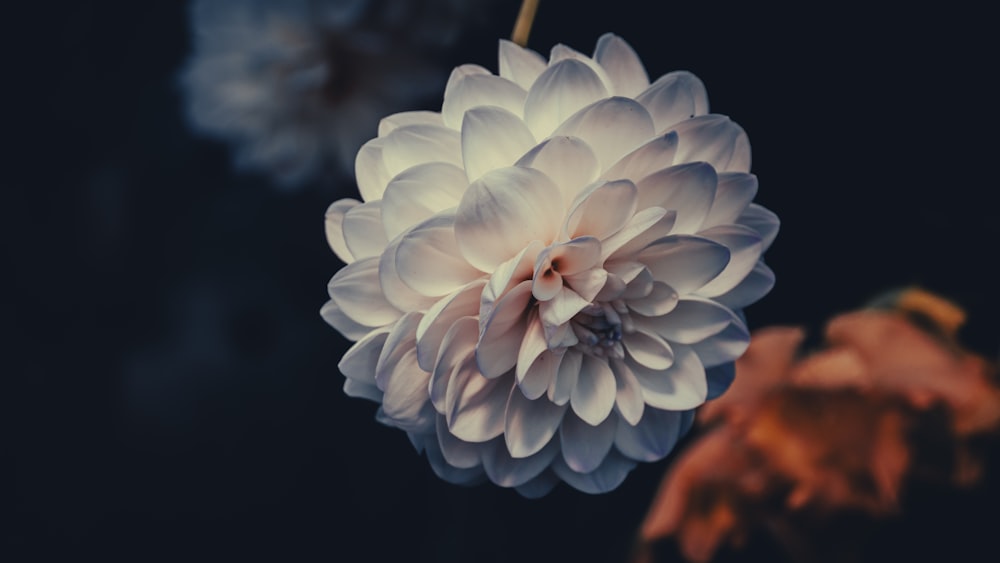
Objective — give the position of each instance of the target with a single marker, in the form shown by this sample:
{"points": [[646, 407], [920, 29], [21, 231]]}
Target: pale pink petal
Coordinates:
{"points": [[532, 345], [406, 401], [335, 317], [756, 285], [612, 127], [685, 263], [720, 378], [561, 308], [607, 477], [363, 232], [692, 320], [463, 302], [562, 52], [674, 97], [629, 402], [503, 212], [762, 220], [519, 65], [653, 437], [713, 139], [396, 292], [659, 301], [562, 386], [356, 290], [538, 486], [334, 226], [419, 144], [418, 193], [474, 90], [458, 453], [492, 138], [639, 287], [588, 283], [370, 171], [655, 154], [360, 361], [745, 248], [637, 241], [602, 211], [733, 194], [687, 188], [506, 276], [475, 405], [508, 471], [392, 122], [503, 332], [638, 224], [360, 390], [558, 93], [541, 374], [622, 64], [593, 397], [585, 446], [682, 386], [444, 469], [530, 424], [456, 352], [428, 259], [568, 161], [725, 346], [648, 349]]}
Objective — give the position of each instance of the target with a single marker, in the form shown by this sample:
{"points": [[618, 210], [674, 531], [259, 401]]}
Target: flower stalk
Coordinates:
{"points": [[522, 27]]}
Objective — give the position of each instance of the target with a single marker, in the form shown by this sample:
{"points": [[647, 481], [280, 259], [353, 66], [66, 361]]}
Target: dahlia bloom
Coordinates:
{"points": [[546, 277], [297, 86]]}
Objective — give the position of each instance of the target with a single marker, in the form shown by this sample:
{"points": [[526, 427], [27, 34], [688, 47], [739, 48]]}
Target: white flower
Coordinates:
{"points": [[297, 86], [545, 278]]}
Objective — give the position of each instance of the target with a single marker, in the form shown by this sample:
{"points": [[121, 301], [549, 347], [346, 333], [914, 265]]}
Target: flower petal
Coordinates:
{"points": [[492, 138], [356, 290], [558, 93], [602, 211], [359, 390], [607, 477], [713, 139], [335, 317], [456, 352], [593, 397], [428, 259], [538, 486], [532, 345], [692, 320], [446, 470], [396, 292], [519, 65], [745, 248], [541, 374], [684, 262], [658, 302], [584, 446], [674, 97], [562, 386], [506, 276], [418, 193], [652, 438], [411, 145], [530, 424], [458, 453], [363, 232], [334, 226], [733, 193], [473, 90], [648, 349], [561, 308], [395, 121], [463, 302], [683, 386], [656, 154], [406, 401], [639, 234], [360, 361], [475, 405], [629, 402], [508, 471], [756, 285], [687, 188], [503, 332], [762, 220], [370, 170], [503, 212], [725, 346], [612, 127], [568, 161], [622, 64], [588, 283], [720, 378]]}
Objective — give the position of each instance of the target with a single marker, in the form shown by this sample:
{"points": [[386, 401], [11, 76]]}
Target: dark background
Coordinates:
{"points": [[174, 394]]}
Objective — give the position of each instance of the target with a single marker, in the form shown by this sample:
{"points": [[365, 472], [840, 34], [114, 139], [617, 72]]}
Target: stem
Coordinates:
{"points": [[522, 27]]}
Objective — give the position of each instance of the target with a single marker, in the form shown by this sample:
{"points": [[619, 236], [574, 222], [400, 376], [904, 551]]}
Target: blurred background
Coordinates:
{"points": [[174, 393]]}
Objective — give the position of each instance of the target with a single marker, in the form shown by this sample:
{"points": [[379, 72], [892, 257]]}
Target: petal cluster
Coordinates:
{"points": [[546, 277]]}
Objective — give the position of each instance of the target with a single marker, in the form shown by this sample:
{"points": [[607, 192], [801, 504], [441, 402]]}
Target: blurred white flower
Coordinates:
{"points": [[296, 86], [545, 278]]}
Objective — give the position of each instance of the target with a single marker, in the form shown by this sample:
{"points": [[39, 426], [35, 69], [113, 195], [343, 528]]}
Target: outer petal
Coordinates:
{"points": [[503, 212], [335, 317], [685, 263], [458, 453], [744, 246], [762, 220], [428, 259], [370, 170], [654, 155], [418, 193], [530, 425], [334, 224], [455, 353], [360, 361], [629, 402], [419, 144], [362, 228], [492, 138], [612, 127], [687, 188], [593, 397], [507, 471], [395, 121], [519, 65], [436, 322], [623, 66], [683, 386], [713, 139], [477, 89], [675, 97], [649, 350], [652, 438], [693, 319], [558, 93], [733, 193], [568, 161], [757, 284], [356, 290], [725, 346], [446, 470], [603, 211], [584, 447], [475, 405], [503, 332], [605, 478], [406, 401]]}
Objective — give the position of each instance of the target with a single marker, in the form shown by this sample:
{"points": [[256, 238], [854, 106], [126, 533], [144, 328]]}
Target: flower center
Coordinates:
{"points": [[600, 327]]}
